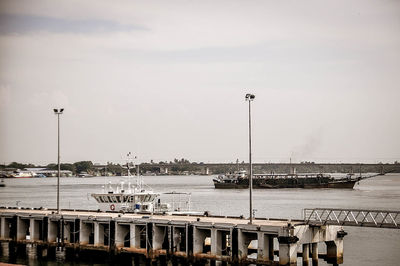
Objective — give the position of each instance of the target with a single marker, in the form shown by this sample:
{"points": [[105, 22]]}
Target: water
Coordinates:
{"points": [[363, 246]]}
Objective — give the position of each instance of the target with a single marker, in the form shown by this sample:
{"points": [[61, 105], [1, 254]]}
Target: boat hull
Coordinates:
{"points": [[276, 184], [229, 186]]}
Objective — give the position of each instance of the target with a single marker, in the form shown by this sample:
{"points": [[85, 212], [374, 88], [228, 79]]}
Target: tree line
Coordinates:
{"points": [[178, 166]]}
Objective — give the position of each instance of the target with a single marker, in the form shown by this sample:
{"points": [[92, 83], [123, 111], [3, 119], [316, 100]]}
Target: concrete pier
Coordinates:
{"points": [[170, 238]]}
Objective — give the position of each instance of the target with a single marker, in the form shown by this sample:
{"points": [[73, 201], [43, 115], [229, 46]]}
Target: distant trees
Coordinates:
{"points": [[68, 166], [181, 161], [83, 166], [64, 166], [20, 165], [116, 169], [179, 166]]}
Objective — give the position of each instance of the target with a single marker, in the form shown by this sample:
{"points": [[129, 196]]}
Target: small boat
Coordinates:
{"points": [[84, 174], [22, 174]]}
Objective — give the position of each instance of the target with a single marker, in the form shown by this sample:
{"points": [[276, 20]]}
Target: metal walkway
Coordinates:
{"points": [[353, 217]]}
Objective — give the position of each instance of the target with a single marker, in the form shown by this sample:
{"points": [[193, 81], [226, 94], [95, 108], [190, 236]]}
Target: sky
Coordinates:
{"points": [[167, 79]]}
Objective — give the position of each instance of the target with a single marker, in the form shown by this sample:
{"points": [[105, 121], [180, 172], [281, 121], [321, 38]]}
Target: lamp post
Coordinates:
{"points": [[250, 98], [58, 112]]}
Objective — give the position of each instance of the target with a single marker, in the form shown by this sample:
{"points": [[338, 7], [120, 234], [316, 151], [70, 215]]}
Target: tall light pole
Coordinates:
{"points": [[250, 98], [58, 112]]}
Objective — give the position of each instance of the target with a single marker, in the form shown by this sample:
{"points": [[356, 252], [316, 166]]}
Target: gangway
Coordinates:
{"points": [[352, 217]]}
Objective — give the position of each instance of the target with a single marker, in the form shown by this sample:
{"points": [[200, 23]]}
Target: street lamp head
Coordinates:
{"points": [[250, 97], [58, 111]]}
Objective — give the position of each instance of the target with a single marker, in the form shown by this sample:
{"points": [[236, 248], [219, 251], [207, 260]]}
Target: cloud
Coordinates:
{"points": [[21, 24]]}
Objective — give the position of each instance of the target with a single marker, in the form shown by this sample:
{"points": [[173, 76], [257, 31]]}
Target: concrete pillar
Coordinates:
{"points": [[22, 229], [287, 254], [4, 228], [34, 229], [216, 242], [67, 228], [98, 234], [199, 237], [52, 231], [334, 250], [84, 233], [135, 236], [216, 245], [243, 244], [121, 230], [306, 254], [265, 244], [159, 233], [314, 252]]}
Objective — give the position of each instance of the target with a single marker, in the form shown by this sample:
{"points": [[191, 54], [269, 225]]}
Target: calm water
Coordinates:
{"points": [[363, 246]]}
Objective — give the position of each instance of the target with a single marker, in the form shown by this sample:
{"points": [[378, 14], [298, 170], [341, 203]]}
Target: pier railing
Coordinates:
{"points": [[353, 217]]}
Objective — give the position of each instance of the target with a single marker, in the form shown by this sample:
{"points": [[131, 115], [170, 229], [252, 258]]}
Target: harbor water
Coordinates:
{"points": [[362, 246]]}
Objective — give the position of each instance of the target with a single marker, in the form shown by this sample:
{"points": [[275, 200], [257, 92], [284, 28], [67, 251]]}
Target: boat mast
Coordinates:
{"points": [[138, 181], [129, 171]]}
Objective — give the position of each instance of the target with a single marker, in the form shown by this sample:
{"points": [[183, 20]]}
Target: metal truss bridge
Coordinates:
{"points": [[352, 217]]}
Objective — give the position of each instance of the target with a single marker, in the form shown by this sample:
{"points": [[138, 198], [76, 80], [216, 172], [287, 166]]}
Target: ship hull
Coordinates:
{"points": [[229, 186], [274, 184]]}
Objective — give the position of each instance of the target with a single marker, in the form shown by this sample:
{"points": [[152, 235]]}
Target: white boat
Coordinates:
{"points": [[139, 197], [23, 174]]}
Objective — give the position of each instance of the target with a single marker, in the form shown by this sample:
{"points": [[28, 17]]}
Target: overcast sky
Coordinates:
{"points": [[167, 79]]}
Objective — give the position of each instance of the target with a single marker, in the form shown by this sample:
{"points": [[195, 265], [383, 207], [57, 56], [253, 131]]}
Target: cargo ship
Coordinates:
{"points": [[240, 180]]}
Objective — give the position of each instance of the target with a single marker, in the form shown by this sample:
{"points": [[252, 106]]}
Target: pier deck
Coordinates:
{"points": [[194, 239]]}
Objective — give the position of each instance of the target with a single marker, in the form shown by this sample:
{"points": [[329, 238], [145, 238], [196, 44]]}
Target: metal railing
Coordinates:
{"points": [[353, 217]]}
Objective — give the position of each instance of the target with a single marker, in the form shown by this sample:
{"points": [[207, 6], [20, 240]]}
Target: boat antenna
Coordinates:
{"points": [[105, 182], [139, 183], [129, 171]]}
